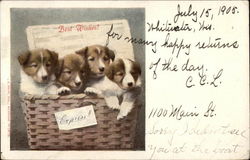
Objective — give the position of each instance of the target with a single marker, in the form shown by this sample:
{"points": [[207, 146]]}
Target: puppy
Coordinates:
{"points": [[98, 58], [72, 74], [38, 71], [123, 79]]}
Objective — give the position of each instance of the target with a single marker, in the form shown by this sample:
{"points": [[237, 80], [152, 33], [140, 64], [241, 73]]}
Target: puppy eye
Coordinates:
{"points": [[119, 74], [91, 58], [67, 72], [83, 72], [133, 73], [105, 58], [48, 64], [33, 65]]}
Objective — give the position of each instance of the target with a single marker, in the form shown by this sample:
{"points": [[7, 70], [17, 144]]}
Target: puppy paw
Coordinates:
{"points": [[112, 102], [121, 115], [125, 109], [114, 106], [63, 91], [91, 90]]}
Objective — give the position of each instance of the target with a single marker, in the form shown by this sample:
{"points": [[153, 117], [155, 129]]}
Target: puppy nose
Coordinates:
{"points": [[44, 77], [101, 69], [130, 84], [78, 83]]}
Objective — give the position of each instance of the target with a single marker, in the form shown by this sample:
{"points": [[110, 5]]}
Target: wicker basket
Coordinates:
{"points": [[43, 132]]}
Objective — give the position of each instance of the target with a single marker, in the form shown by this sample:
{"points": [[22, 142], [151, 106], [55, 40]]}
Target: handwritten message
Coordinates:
{"points": [[196, 67], [200, 21]]}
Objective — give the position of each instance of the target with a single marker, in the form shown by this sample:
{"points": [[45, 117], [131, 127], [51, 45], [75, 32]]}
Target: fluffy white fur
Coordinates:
{"points": [[111, 91], [28, 85]]}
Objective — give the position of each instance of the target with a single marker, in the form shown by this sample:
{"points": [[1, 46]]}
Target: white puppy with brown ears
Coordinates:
{"points": [[38, 71], [123, 78]]}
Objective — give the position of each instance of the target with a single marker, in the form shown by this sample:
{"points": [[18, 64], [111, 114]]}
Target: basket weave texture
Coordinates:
{"points": [[43, 132]]}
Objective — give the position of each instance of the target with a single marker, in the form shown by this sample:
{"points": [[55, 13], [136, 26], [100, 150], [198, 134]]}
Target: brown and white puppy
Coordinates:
{"points": [[72, 74], [38, 70], [123, 78], [98, 58], [125, 73]]}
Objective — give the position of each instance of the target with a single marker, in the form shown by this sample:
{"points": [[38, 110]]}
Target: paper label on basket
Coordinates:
{"points": [[76, 118]]}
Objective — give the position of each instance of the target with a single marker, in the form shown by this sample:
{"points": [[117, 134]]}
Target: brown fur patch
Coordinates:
{"points": [[71, 66], [135, 70], [94, 54], [116, 71]]}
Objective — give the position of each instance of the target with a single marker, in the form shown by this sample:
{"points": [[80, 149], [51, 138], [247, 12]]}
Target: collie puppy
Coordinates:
{"points": [[72, 74], [123, 79], [98, 58], [38, 71]]}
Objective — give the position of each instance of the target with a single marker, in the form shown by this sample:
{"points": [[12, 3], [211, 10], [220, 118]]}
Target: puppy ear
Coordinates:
{"points": [[24, 57], [109, 72], [82, 51], [54, 55], [137, 67], [59, 67], [111, 53]]}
